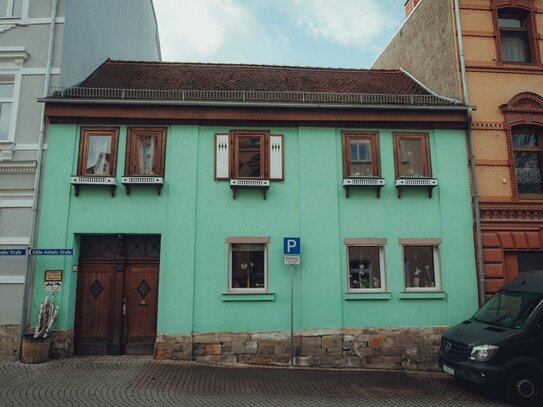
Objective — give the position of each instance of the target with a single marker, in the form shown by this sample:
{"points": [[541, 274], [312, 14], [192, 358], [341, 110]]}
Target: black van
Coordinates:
{"points": [[503, 342]]}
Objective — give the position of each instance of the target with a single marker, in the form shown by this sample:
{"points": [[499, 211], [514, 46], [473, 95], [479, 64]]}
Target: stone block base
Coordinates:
{"points": [[9, 339], [62, 344], [383, 348]]}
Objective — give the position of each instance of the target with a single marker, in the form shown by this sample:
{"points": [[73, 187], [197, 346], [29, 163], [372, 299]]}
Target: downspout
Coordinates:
{"points": [[476, 205], [37, 180]]}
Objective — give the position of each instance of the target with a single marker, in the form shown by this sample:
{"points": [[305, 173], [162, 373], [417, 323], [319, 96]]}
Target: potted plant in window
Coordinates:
{"points": [[35, 346]]}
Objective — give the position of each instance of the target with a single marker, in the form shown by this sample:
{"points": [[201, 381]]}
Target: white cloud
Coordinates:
{"points": [[216, 31], [345, 22]]}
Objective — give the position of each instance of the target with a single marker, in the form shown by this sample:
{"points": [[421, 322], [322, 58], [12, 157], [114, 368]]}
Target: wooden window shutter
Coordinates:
{"points": [[276, 157], [222, 156]]}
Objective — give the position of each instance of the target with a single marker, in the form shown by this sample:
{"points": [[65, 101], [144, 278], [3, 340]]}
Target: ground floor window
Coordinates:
{"points": [[365, 264], [421, 264], [248, 269]]}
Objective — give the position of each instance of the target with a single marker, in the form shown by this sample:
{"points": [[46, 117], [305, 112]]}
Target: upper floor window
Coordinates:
{"points": [[145, 152], [98, 151], [528, 153], [249, 155], [514, 35], [6, 100], [11, 8], [412, 155], [361, 155]]}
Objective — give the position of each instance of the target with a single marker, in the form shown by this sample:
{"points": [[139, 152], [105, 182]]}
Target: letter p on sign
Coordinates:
{"points": [[291, 245]]}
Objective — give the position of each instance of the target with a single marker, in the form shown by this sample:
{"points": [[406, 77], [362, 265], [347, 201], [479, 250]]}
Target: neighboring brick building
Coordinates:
{"points": [[502, 44]]}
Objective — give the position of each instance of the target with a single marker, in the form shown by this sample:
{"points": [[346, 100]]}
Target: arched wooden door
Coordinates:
{"points": [[117, 297]]}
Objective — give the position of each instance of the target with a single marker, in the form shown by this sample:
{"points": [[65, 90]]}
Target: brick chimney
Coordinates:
{"points": [[410, 6]]}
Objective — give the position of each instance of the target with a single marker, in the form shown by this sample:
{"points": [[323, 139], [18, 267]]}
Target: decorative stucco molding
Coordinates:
{"points": [[22, 167], [500, 213], [5, 27]]}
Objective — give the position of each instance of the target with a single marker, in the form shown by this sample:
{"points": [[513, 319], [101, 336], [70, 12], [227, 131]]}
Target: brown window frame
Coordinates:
{"points": [[524, 10], [374, 145], [235, 136], [538, 131], [131, 150], [85, 134], [425, 146]]}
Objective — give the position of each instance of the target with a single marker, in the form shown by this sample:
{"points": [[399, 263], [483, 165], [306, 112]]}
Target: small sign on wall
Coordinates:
{"points": [[53, 275], [53, 286]]}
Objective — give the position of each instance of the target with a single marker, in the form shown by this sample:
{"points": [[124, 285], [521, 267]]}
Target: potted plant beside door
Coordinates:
{"points": [[35, 346]]}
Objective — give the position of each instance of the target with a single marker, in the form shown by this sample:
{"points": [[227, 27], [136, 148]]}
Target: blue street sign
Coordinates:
{"points": [[291, 245], [12, 252], [51, 252]]}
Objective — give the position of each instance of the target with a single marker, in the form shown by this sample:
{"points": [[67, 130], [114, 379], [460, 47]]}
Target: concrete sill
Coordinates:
{"points": [[410, 295], [248, 296], [367, 296]]}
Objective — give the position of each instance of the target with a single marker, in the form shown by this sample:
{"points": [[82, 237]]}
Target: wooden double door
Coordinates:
{"points": [[116, 307]]}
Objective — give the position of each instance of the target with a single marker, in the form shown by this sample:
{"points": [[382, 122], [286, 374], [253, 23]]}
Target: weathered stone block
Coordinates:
{"points": [[212, 349], [376, 342], [162, 355], [332, 341]]}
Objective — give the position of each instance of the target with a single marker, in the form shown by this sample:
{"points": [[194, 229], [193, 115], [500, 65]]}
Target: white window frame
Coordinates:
{"points": [[7, 18], [380, 244], [435, 244], [248, 240], [11, 64]]}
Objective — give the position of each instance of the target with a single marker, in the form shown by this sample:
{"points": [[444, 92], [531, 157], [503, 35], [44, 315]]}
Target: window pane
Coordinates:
{"points": [[515, 46], [411, 158], [5, 113], [528, 171], [248, 262], [525, 140], [529, 261], [364, 267], [249, 157], [3, 8], [99, 155], [146, 148], [6, 90], [419, 266], [361, 159], [509, 22], [17, 8]]}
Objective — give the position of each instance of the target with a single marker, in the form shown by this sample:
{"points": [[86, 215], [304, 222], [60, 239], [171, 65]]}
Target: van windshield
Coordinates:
{"points": [[508, 309]]}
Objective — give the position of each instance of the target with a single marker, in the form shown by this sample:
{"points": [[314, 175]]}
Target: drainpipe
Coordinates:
{"points": [[37, 180], [476, 205]]}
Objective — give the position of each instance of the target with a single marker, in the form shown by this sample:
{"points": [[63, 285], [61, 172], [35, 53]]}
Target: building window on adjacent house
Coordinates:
{"points": [[514, 30], [249, 155], [421, 264], [145, 152], [528, 153], [11, 8], [365, 264], [412, 155], [98, 151], [360, 155], [6, 100], [248, 258]]}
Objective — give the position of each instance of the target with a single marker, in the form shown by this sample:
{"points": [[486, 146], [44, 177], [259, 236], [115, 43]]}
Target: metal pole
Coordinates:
{"points": [[291, 315]]}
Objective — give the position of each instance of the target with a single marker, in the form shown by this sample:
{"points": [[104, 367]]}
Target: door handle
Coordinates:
{"points": [[124, 306]]}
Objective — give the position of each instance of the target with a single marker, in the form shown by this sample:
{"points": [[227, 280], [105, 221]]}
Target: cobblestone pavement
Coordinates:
{"points": [[142, 381]]}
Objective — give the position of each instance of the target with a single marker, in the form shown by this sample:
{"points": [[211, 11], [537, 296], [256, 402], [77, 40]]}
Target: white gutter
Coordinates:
{"points": [[37, 180], [476, 203]]}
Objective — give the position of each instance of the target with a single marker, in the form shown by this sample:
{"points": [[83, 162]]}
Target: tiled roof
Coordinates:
{"points": [[226, 83], [235, 77]]}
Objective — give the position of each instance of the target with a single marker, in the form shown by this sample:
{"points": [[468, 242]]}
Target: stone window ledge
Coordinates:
{"points": [[248, 296], [434, 295], [367, 296]]}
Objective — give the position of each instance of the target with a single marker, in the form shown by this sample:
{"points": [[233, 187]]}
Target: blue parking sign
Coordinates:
{"points": [[291, 245]]}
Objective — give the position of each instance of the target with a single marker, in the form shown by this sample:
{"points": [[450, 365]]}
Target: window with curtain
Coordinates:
{"points": [[145, 151], [98, 151], [248, 267], [528, 153], [412, 155], [361, 155], [6, 100], [514, 36]]}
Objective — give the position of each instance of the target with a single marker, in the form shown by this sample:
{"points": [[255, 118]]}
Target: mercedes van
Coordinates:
{"points": [[502, 344]]}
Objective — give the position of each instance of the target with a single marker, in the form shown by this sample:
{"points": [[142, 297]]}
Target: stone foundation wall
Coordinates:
{"points": [[9, 339], [62, 344], [386, 348]]}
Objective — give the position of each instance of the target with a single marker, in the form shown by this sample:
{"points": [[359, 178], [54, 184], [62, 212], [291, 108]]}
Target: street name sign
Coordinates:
{"points": [[12, 252], [51, 252]]}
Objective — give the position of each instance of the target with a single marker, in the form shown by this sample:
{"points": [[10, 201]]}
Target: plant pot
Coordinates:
{"points": [[35, 350]]}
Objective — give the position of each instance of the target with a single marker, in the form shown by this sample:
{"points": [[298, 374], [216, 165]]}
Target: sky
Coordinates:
{"points": [[333, 33]]}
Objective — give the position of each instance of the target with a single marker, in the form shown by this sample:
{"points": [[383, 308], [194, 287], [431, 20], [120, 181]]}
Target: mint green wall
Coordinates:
{"points": [[194, 214]]}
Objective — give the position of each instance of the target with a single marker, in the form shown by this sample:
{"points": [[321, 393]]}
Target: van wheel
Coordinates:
{"points": [[524, 388]]}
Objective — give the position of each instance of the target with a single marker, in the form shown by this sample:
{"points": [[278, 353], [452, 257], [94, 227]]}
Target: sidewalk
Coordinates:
{"points": [[142, 381]]}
